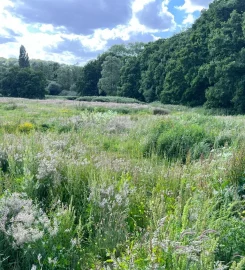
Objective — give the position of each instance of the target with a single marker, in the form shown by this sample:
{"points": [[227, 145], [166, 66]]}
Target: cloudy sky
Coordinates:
{"points": [[75, 31]]}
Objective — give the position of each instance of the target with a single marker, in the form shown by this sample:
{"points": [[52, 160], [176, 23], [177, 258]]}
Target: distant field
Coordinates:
{"points": [[90, 105], [106, 185], [115, 99]]}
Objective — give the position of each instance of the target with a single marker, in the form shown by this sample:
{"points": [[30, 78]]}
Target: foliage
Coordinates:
{"points": [[54, 88], [26, 127], [87, 83], [129, 79], [68, 93], [23, 58], [88, 80], [64, 75], [109, 99], [23, 82], [110, 75], [177, 141]]}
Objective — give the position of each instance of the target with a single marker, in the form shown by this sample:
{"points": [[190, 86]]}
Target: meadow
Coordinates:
{"points": [[90, 185]]}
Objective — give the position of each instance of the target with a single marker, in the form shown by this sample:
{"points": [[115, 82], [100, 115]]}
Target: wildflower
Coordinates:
{"points": [[118, 198], [73, 242], [39, 257], [26, 127], [52, 261], [21, 220]]}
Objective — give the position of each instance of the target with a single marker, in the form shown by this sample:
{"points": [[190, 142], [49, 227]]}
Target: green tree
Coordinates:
{"points": [[48, 68], [64, 77], [130, 79], [131, 49], [151, 58], [110, 76], [23, 58], [23, 82], [88, 80]]}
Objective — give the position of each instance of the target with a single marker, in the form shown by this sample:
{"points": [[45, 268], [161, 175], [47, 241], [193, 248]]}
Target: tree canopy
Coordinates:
{"points": [[23, 82], [110, 75]]}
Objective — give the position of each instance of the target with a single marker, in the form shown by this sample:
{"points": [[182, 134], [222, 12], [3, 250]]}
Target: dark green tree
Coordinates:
{"points": [[130, 79], [23, 82], [88, 80], [87, 83], [23, 58], [149, 59]]}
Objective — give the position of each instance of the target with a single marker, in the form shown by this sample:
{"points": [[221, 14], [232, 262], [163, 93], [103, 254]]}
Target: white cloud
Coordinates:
{"points": [[38, 38], [46, 28], [139, 4], [189, 19], [190, 6], [4, 4], [49, 42]]}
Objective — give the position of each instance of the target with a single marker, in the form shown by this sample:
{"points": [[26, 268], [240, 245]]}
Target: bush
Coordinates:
{"points": [[11, 106], [73, 88], [68, 93], [54, 88], [109, 99], [172, 140], [160, 111]]}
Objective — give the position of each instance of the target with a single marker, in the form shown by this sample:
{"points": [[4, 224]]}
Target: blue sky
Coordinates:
{"points": [[75, 31]]}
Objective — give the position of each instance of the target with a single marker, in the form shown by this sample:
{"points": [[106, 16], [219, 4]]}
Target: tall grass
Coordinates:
{"points": [[90, 189]]}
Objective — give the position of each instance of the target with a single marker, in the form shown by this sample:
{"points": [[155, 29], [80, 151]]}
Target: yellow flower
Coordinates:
{"points": [[64, 110], [26, 127]]}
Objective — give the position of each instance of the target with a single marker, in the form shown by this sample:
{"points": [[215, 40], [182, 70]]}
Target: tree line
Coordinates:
{"points": [[35, 78], [203, 65]]}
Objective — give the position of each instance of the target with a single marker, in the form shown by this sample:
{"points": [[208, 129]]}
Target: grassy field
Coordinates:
{"points": [[120, 186]]}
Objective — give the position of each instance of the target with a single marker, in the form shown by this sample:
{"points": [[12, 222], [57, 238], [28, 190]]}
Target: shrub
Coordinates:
{"points": [[108, 99], [172, 140], [160, 111], [68, 93], [54, 88], [10, 106]]}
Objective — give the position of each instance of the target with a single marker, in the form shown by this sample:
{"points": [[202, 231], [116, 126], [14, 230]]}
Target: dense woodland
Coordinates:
{"points": [[202, 65]]}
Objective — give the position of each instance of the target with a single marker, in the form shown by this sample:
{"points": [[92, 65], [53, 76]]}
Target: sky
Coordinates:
{"points": [[76, 31]]}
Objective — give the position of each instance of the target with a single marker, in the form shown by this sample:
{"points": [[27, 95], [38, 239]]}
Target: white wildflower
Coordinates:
{"points": [[39, 257], [22, 220], [73, 242], [52, 261]]}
